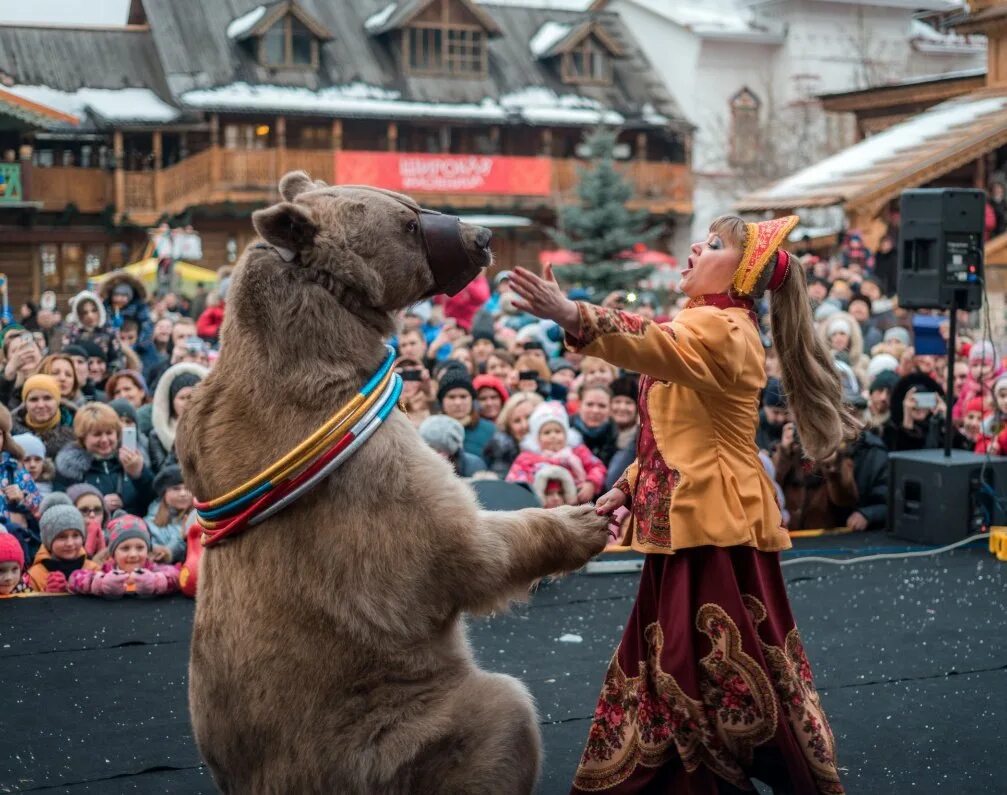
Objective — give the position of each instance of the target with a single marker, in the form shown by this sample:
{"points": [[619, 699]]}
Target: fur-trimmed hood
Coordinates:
{"points": [[87, 295], [548, 472], [163, 423], [73, 462], [122, 277]]}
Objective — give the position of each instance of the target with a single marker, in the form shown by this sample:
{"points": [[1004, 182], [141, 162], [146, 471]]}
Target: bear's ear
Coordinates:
{"points": [[295, 183], [286, 226]]}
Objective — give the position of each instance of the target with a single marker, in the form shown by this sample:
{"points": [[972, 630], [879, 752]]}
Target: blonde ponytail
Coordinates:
{"points": [[810, 379]]}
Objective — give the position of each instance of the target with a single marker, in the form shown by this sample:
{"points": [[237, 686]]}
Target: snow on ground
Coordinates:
{"points": [[120, 104], [245, 22]]}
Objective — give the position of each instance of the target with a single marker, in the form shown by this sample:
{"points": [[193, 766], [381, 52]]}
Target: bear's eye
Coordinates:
{"points": [[412, 226]]}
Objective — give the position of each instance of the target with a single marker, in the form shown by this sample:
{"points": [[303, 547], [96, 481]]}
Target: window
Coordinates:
{"points": [[588, 62], [457, 51], [745, 133], [288, 44]]}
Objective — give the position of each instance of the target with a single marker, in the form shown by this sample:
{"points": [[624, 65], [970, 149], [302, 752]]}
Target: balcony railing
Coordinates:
{"points": [[217, 175]]}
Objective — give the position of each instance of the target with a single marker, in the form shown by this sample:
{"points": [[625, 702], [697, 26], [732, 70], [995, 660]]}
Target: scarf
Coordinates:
{"points": [[67, 567], [45, 426]]}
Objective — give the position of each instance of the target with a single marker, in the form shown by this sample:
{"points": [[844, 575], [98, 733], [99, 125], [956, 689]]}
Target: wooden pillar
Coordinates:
{"points": [[281, 146], [120, 175], [393, 136], [183, 145], [157, 149], [495, 139], [980, 177], [641, 145], [547, 142], [216, 167], [337, 134]]}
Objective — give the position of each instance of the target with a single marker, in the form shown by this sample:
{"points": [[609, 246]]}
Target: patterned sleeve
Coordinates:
{"points": [[32, 498], [704, 352], [627, 483]]}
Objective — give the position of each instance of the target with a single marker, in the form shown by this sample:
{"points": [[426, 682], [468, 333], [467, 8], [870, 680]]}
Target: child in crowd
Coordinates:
{"points": [[984, 371], [996, 422], [168, 517], [35, 462], [554, 486], [89, 501], [549, 431], [128, 568], [12, 580], [62, 551]]}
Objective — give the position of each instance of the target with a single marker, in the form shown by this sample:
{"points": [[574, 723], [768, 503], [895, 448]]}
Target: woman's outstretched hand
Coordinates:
{"points": [[543, 298]]}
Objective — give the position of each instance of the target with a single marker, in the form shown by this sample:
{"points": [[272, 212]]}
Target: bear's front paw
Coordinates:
{"points": [[586, 534]]}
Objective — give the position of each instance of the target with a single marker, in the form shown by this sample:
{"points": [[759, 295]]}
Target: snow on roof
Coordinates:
{"points": [[705, 19], [66, 12], [864, 156], [496, 221], [549, 5], [651, 116], [536, 105], [119, 104], [547, 37], [245, 22], [376, 21]]}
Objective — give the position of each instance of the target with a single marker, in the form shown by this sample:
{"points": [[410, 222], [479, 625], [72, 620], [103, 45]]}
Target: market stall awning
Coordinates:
{"points": [[185, 273], [866, 176]]}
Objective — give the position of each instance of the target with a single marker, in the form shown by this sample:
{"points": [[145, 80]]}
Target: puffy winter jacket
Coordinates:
{"points": [[75, 465]]}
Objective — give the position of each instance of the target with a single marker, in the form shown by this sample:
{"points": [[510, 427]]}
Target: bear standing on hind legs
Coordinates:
{"points": [[329, 653]]}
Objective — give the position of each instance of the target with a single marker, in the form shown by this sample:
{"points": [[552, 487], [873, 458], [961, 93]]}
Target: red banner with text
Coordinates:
{"points": [[422, 173]]}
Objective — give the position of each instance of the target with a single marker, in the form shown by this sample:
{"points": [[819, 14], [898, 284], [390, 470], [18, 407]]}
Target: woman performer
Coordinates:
{"points": [[710, 686]]}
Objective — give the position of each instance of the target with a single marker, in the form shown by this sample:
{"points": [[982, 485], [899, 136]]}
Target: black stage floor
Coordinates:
{"points": [[910, 657]]}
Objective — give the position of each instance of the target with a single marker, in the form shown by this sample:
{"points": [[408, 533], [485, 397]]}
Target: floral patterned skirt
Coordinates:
{"points": [[710, 686]]}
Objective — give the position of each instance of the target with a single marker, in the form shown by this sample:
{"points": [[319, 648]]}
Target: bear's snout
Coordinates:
{"points": [[483, 237]]}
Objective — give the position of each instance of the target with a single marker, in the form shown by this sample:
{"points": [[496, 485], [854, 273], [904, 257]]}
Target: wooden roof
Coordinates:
{"points": [[32, 113], [276, 11], [911, 153], [406, 11]]}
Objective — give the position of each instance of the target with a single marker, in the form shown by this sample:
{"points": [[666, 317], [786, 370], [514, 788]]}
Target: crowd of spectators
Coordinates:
{"points": [[94, 502]]}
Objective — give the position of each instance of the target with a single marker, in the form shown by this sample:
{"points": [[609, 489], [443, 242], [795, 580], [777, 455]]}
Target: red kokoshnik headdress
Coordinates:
{"points": [[764, 265]]}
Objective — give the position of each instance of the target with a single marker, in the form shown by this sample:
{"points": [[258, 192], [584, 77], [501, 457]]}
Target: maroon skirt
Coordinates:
{"points": [[710, 686]]}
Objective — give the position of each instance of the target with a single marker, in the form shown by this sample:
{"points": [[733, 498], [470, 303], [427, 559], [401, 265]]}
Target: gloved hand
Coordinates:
{"points": [[94, 539], [111, 584], [149, 583], [55, 582]]}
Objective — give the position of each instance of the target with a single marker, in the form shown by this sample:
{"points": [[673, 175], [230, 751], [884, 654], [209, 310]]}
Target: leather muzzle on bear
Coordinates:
{"points": [[449, 260]]}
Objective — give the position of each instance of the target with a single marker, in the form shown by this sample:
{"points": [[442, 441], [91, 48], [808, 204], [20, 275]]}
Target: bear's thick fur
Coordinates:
{"points": [[329, 652]]}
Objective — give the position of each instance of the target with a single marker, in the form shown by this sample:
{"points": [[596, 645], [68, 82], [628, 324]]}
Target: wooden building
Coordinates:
{"points": [[949, 131], [193, 110]]}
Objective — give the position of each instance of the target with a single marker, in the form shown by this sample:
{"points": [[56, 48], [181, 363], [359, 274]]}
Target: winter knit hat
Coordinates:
{"points": [[55, 498], [78, 490], [772, 395], [882, 362], [30, 444], [92, 349], [124, 527], [1001, 383], [45, 383], [57, 519], [10, 443], [886, 379], [455, 378], [123, 289], [124, 409], [491, 382], [838, 325], [170, 476], [559, 363], [551, 411], [74, 350], [898, 334], [442, 433], [182, 380], [627, 386], [825, 310], [10, 550], [984, 349]]}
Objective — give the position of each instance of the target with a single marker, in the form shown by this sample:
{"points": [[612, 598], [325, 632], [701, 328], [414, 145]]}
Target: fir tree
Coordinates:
{"points": [[602, 226]]}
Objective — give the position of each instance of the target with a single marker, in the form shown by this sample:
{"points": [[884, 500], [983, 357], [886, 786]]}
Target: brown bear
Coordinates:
{"points": [[329, 652]]}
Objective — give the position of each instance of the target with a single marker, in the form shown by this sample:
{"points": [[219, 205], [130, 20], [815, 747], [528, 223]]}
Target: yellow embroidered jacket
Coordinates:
{"points": [[697, 479]]}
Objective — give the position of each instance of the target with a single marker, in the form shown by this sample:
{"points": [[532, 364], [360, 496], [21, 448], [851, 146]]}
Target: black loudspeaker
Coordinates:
{"points": [[934, 499], [941, 248]]}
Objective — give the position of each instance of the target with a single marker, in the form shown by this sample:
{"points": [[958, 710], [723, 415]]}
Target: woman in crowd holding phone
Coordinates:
{"points": [[101, 457], [918, 416], [22, 358]]}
